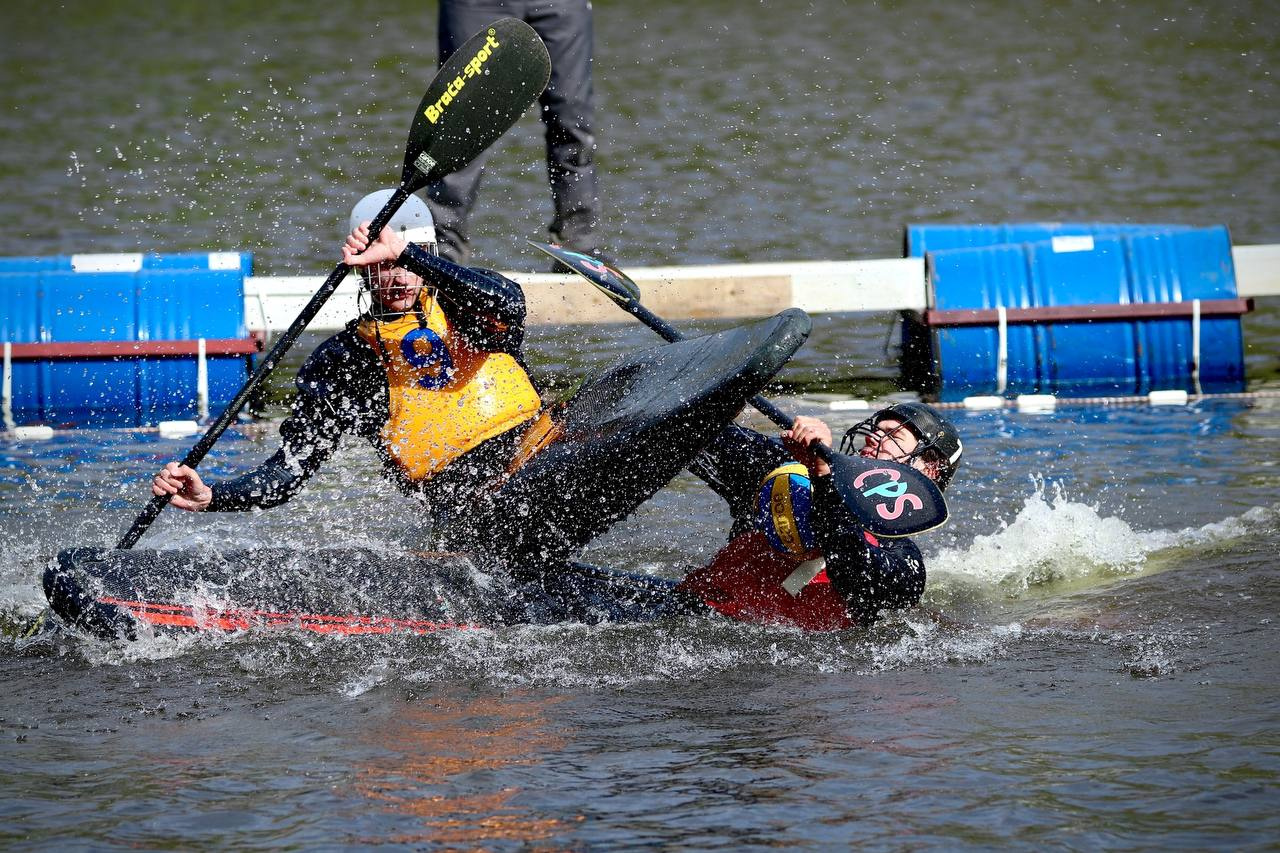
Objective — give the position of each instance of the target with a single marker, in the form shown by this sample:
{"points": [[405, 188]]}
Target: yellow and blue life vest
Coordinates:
{"points": [[445, 397]]}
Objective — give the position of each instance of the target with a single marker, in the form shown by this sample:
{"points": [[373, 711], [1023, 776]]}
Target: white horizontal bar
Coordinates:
{"points": [[177, 429], [271, 303], [1036, 402], [32, 433], [685, 292], [1257, 270], [126, 262], [848, 405], [224, 260], [1170, 397], [983, 402]]}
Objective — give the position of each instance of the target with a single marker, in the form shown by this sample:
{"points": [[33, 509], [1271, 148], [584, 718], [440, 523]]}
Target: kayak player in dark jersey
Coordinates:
{"points": [[795, 555], [432, 374]]}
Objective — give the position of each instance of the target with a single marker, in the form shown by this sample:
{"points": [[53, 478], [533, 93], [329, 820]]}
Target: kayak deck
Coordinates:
{"points": [[627, 431], [624, 434]]}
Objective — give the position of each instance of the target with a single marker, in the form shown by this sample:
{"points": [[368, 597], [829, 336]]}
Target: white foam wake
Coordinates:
{"points": [[1058, 543]]}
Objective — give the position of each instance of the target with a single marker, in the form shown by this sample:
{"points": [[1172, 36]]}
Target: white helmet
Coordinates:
{"points": [[413, 219]]}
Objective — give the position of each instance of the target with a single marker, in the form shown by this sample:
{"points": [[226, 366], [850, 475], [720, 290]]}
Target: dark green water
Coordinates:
{"points": [[729, 130], [1106, 675]]}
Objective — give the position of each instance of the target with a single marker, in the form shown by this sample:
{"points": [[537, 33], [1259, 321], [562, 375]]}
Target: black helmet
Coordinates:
{"points": [[938, 440]]}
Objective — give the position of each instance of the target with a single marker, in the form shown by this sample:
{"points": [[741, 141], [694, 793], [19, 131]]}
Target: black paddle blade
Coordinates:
{"points": [[889, 499], [616, 284], [478, 94]]}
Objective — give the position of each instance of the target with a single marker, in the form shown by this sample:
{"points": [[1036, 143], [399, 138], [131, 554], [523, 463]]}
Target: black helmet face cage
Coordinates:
{"points": [[942, 448], [869, 427]]}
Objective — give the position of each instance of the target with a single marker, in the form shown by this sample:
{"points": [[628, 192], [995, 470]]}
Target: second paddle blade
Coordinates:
{"points": [[616, 284], [891, 499]]}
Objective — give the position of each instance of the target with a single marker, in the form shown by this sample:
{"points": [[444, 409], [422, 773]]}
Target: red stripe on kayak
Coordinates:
{"points": [[236, 619]]}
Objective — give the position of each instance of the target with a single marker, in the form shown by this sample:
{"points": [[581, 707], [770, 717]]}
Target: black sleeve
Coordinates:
{"points": [[486, 308], [339, 390], [734, 464], [870, 577]]}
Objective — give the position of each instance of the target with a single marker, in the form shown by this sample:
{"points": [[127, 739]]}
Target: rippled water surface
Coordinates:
{"points": [[729, 130], [1096, 663]]}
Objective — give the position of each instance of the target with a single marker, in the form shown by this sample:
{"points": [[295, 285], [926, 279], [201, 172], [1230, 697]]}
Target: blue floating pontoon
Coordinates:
{"points": [[1077, 310], [124, 339]]}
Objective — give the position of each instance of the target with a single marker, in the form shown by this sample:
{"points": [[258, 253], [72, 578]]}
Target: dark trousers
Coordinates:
{"points": [[568, 112]]}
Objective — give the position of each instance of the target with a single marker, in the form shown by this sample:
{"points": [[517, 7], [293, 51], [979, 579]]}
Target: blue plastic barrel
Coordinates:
{"points": [[921, 239], [127, 262], [121, 298], [1077, 357]]}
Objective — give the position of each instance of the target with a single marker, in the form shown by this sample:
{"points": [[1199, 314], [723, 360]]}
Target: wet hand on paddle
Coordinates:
{"points": [[358, 252], [804, 431], [184, 486]]}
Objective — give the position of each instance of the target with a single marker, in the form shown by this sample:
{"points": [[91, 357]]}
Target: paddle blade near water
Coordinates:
{"points": [[890, 499], [478, 94]]}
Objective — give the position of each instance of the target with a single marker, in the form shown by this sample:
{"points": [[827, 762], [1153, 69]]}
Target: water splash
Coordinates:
{"points": [[928, 643], [1054, 550], [1057, 545]]}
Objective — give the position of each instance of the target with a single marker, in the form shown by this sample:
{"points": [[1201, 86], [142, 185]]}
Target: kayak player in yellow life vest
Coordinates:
{"points": [[431, 373]]}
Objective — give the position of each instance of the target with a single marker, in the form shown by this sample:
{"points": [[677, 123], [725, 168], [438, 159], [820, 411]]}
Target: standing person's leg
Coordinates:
{"points": [[568, 111], [452, 197]]}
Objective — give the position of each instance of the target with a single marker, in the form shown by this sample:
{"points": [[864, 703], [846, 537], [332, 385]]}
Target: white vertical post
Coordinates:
{"points": [[202, 383], [6, 393], [1002, 364], [1195, 345]]}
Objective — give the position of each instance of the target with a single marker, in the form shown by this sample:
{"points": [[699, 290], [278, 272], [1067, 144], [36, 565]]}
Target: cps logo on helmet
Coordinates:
{"points": [[893, 487]]}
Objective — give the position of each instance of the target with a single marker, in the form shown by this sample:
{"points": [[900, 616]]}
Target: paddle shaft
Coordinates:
{"points": [[265, 366]]}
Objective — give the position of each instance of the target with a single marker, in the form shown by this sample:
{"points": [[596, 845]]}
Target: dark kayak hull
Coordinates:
{"points": [[352, 591], [626, 432], [111, 593]]}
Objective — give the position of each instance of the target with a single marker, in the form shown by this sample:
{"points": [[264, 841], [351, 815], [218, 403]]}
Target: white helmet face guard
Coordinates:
{"points": [[414, 222]]}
